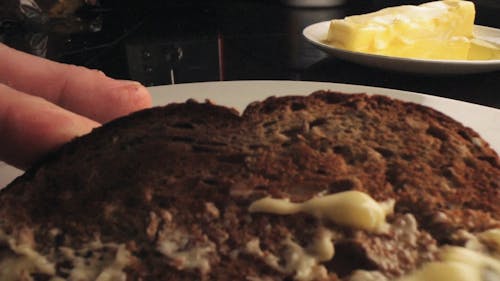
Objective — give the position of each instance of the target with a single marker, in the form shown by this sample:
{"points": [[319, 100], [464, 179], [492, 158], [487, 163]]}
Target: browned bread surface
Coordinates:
{"points": [[177, 181]]}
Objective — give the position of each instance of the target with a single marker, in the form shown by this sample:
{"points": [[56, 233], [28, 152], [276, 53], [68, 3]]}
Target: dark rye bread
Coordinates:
{"points": [[184, 175]]}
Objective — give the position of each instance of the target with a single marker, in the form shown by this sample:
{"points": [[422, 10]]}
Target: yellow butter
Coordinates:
{"points": [[434, 30], [457, 264], [349, 208], [482, 50]]}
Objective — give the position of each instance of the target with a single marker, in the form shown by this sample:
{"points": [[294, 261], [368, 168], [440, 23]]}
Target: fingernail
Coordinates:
{"points": [[125, 88], [132, 93], [123, 83]]}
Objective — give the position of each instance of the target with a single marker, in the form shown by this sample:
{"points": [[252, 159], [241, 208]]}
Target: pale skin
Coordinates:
{"points": [[44, 104]]}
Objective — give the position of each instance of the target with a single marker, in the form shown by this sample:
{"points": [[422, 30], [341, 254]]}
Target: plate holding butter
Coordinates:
{"points": [[436, 38]]}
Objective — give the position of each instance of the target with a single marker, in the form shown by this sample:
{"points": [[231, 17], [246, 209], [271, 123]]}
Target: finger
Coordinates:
{"points": [[31, 126], [87, 92]]}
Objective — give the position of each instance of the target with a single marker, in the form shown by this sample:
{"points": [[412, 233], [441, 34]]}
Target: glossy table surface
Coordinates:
{"points": [[184, 41]]}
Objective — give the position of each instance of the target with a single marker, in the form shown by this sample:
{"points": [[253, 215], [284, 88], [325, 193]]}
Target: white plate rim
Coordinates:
{"points": [[238, 94], [310, 33]]}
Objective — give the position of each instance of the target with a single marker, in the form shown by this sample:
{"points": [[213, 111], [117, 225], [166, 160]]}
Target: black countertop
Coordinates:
{"points": [[185, 41]]}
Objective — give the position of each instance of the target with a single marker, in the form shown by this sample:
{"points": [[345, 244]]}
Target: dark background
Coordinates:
{"points": [[192, 41]]}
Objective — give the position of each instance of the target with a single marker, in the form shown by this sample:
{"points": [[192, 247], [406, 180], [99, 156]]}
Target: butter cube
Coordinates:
{"points": [[434, 30]]}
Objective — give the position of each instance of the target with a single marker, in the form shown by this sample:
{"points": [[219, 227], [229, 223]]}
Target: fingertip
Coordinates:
{"points": [[142, 98], [127, 97], [138, 96]]}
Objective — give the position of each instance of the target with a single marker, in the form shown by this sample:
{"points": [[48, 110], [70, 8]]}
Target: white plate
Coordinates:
{"points": [[317, 33], [239, 94]]}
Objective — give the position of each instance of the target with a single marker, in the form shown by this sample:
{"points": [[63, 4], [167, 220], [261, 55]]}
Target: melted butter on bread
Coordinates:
{"points": [[491, 238], [304, 263], [458, 264], [21, 261], [349, 208], [358, 210]]}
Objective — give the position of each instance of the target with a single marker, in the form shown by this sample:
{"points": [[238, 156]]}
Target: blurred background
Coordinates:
{"points": [[179, 41]]}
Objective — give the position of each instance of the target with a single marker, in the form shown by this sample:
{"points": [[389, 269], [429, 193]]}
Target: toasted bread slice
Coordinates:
{"points": [[164, 194]]}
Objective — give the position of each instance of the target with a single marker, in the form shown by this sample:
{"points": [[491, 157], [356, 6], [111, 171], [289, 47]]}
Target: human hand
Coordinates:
{"points": [[44, 104]]}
